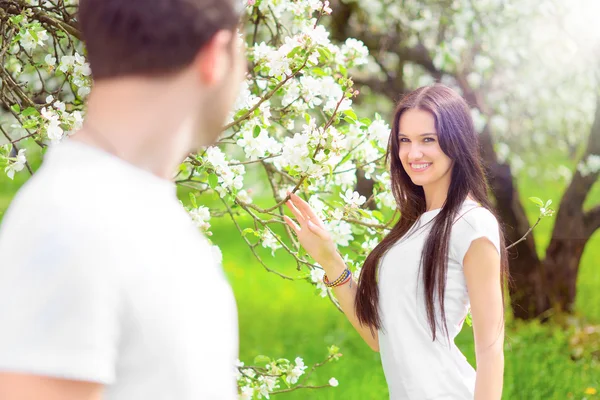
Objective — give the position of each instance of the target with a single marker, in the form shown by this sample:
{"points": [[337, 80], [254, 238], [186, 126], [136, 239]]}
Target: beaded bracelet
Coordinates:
{"points": [[343, 279]]}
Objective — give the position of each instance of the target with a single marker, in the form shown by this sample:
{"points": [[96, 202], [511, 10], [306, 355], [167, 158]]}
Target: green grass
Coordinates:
{"points": [[281, 318]]}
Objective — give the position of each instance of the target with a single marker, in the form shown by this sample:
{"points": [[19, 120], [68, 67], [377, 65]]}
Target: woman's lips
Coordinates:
{"points": [[419, 167]]}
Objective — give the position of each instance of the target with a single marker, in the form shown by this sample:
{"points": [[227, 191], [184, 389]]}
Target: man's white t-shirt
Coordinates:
{"points": [[415, 367], [104, 278]]}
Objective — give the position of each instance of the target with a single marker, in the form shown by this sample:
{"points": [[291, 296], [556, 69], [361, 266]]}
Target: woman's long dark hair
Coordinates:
{"points": [[459, 141]]}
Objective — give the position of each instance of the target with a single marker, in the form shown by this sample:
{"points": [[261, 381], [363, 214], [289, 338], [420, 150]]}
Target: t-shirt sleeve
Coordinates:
{"points": [[58, 302], [473, 224]]}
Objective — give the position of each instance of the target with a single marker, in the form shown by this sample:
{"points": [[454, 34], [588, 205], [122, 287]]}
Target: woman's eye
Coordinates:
{"points": [[429, 139], [403, 140]]}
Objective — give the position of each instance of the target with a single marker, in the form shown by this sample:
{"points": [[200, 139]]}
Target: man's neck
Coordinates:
{"points": [[138, 126]]}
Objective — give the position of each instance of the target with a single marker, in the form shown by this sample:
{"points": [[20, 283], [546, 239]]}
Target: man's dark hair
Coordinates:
{"points": [[149, 37]]}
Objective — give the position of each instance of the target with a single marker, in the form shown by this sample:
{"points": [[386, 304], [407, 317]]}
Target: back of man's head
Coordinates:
{"points": [[149, 37]]}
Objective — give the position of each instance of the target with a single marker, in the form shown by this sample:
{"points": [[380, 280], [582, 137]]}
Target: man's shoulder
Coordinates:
{"points": [[50, 207]]}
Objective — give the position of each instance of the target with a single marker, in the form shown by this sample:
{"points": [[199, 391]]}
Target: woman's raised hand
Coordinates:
{"points": [[311, 233]]}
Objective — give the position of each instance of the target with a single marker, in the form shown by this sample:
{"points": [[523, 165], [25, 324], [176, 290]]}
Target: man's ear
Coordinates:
{"points": [[212, 60]]}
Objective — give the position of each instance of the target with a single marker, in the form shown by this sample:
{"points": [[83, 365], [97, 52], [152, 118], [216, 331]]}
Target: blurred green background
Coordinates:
{"points": [[279, 318]]}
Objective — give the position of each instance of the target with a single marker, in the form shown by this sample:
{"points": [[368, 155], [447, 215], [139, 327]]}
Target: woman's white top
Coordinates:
{"points": [[416, 367]]}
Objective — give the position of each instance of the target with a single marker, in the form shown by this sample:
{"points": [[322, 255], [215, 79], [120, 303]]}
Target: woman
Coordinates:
{"points": [[445, 255]]}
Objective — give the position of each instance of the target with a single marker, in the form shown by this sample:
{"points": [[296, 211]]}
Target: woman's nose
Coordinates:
{"points": [[414, 152]]}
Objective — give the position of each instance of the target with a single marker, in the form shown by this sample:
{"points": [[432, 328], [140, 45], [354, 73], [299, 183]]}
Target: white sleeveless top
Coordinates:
{"points": [[415, 367]]}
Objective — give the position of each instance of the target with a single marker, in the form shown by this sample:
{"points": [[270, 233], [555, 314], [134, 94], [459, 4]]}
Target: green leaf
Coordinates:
{"points": [[351, 114], [260, 359], [240, 114], [469, 319], [284, 379], [193, 200], [319, 71], [256, 131], [343, 70], [16, 19], [30, 111], [16, 108], [365, 121], [346, 158], [377, 214], [349, 120], [247, 231], [333, 350], [213, 181], [548, 203], [294, 51], [537, 201], [363, 213], [30, 124], [325, 53]]}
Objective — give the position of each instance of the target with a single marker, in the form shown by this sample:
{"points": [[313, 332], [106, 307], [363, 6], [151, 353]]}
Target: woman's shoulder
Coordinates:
{"points": [[473, 221], [473, 215]]}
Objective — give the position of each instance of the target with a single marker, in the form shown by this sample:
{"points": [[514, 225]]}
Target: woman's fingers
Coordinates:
{"points": [[299, 216], [292, 224], [321, 233], [306, 209]]}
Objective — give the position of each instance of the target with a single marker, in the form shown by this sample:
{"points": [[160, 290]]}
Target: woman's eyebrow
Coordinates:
{"points": [[422, 134]]}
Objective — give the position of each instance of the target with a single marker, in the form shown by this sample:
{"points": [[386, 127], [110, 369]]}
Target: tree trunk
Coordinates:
{"points": [[560, 268], [572, 230], [526, 288]]}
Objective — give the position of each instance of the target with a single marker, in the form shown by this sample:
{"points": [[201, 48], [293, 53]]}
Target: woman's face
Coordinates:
{"points": [[420, 151]]}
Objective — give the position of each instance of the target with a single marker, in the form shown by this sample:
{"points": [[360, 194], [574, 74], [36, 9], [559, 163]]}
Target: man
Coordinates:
{"points": [[107, 291]]}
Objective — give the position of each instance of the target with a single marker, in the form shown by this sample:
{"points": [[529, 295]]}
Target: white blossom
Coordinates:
{"points": [[479, 120], [333, 382], [50, 60], [380, 131], [270, 241], [200, 217], [341, 232], [17, 165], [33, 38], [316, 276], [66, 62], [296, 372], [589, 166], [247, 393], [356, 51], [353, 199]]}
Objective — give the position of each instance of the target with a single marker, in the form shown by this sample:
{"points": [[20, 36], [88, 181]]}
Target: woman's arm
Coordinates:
{"points": [[482, 274], [346, 294], [317, 242]]}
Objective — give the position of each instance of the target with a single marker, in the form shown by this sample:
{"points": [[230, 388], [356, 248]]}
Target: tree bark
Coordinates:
{"points": [[526, 288], [572, 230]]}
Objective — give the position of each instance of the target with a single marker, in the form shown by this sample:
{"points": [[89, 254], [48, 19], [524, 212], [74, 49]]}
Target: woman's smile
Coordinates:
{"points": [[419, 167]]}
